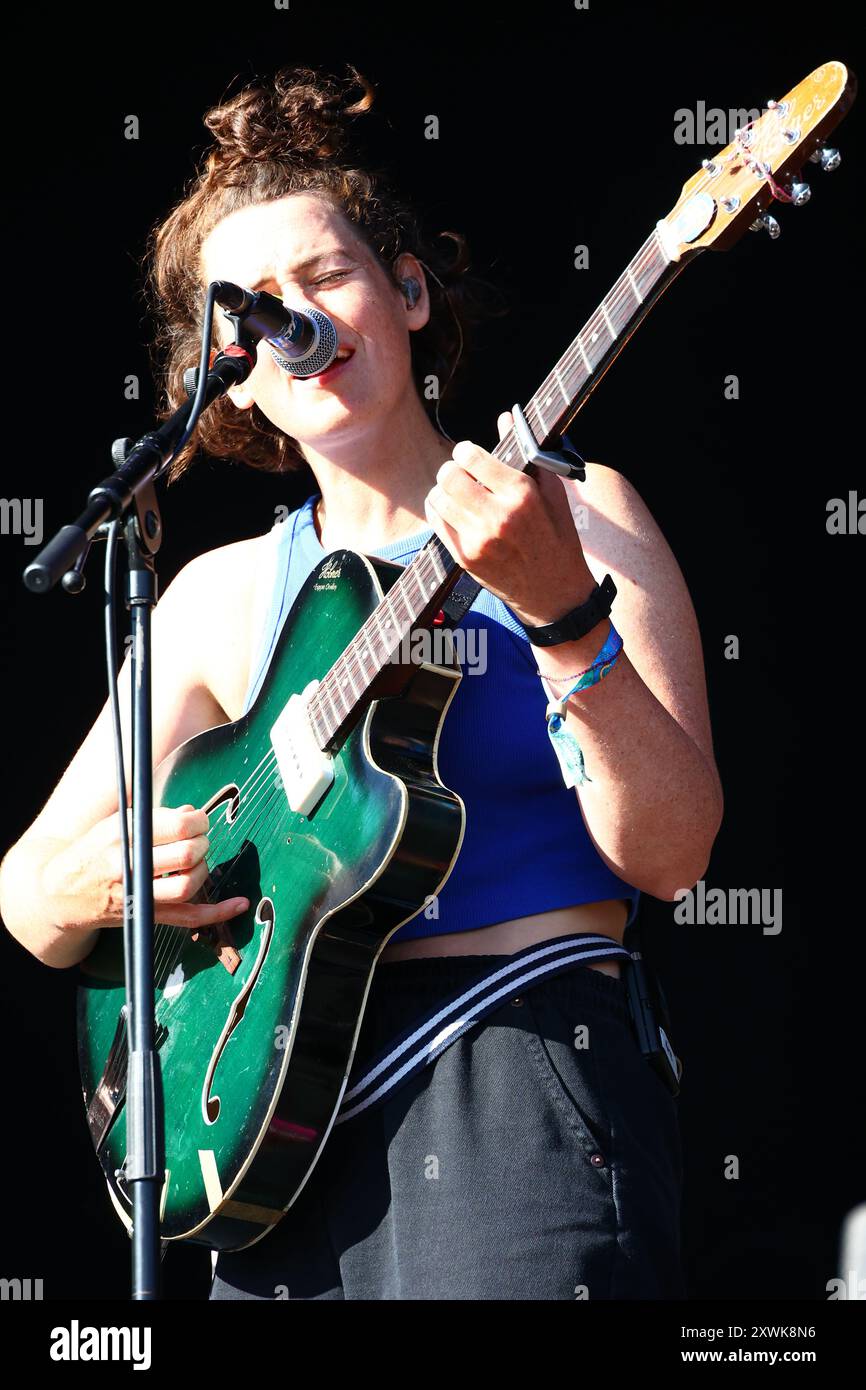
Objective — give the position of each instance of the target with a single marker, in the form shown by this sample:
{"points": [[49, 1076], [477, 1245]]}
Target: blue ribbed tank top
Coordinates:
{"points": [[525, 847]]}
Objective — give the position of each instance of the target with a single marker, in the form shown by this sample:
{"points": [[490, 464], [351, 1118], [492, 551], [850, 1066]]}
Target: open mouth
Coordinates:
{"points": [[344, 355]]}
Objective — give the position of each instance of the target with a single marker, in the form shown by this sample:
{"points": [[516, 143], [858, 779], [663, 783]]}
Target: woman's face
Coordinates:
{"points": [[309, 255]]}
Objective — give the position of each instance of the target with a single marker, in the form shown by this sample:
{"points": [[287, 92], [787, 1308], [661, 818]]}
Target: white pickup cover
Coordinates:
{"points": [[306, 772]]}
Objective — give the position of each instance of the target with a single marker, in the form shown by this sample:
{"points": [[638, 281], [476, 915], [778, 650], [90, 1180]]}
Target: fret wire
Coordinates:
{"points": [[646, 261], [391, 616], [347, 663], [324, 693]]}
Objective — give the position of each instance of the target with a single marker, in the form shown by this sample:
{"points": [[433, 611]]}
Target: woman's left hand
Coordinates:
{"points": [[514, 532]]}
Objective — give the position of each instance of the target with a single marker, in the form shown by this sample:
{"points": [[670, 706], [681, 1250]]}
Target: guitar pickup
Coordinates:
{"points": [[306, 772]]}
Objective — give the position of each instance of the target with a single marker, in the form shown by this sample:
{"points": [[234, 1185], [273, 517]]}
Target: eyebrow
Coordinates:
{"points": [[305, 265]]}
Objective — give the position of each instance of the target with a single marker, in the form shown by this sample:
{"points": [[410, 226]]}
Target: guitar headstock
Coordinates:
{"points": [[765, 161]]}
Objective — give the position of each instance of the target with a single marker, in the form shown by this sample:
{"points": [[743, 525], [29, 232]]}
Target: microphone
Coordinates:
{"points": [[302, 342]]}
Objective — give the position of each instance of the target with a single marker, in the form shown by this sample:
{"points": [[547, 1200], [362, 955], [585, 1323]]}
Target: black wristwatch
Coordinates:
{"points": [[579, 621]]}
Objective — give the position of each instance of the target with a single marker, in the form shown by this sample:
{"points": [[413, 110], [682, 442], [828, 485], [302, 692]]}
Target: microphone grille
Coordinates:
{"points": [[321, 356]]}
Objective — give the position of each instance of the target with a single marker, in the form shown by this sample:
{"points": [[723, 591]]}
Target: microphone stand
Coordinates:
{"points": [[129, 492]]}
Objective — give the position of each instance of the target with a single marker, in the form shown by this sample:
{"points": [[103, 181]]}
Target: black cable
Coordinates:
{"points": [[120, 771]]}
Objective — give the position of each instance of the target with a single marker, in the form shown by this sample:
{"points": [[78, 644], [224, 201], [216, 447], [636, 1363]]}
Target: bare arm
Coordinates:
{"points": [[61, 881], [654, 803]]}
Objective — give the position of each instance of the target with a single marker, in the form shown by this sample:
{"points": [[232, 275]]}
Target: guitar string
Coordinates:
{"points": [[168, 936]]}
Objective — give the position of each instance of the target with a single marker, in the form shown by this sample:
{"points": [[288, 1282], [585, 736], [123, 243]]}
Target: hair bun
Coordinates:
{"points": [[300, 118]]}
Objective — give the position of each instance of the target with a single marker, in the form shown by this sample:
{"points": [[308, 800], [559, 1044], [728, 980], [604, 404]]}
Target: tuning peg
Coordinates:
{"points": [[766, 223], [827, 158], [800, 194]]}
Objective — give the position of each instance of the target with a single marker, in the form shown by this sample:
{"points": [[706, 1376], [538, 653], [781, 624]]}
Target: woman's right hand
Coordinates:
{"points": [[84, 881]]}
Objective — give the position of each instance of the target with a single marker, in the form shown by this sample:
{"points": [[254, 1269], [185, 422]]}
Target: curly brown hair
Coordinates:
{"points": [[291, 135]]}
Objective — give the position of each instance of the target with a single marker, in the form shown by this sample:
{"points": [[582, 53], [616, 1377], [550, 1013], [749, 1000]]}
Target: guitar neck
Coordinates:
{"points": [[581, 367], [420, 590]]}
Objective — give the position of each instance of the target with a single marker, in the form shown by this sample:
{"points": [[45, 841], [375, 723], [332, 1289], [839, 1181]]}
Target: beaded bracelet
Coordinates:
{"points": [[565, 745]]}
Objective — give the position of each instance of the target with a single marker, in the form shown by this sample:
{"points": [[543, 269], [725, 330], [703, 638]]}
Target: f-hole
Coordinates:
{"points": [[265, 917], [230, 793]]}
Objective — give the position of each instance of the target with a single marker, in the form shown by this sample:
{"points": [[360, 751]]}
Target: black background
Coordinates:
{"points": [[556, 129]]}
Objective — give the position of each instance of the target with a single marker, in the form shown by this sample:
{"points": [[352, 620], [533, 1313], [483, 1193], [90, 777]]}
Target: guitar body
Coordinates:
{"points": [[256, 1039]]}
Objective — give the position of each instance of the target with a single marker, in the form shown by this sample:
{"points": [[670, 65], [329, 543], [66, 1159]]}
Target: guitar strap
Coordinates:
{"points": [[459, 601], [421, 1044]]}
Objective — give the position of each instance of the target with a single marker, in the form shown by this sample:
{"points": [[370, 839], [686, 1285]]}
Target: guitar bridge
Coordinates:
{"points": [[218, 937]]}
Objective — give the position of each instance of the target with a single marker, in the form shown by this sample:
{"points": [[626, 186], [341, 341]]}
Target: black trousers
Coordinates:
{"points": [[537, 1158]]}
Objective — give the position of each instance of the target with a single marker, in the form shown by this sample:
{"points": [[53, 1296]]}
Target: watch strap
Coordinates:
{"points": [[581, 620]]}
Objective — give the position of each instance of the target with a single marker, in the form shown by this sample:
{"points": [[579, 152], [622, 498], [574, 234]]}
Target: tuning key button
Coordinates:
{"points": [[766, 223], [800, 194], [827, 158]]}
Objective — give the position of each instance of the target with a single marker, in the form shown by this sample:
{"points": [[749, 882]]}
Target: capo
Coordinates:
{"points": [[555, 460]]}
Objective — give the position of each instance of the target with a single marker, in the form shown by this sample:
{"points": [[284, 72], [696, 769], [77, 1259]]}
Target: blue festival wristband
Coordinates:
{"points": [[565, 745]]}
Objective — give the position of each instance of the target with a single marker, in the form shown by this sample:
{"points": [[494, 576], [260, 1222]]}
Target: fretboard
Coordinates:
{"points": [[424, 583]]}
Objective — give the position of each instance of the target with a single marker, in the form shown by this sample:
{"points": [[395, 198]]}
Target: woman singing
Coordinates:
{"points": [[537, 1156]]}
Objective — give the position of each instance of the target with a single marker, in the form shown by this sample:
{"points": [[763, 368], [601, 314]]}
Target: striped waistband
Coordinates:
{"points": [[424, 1041]]}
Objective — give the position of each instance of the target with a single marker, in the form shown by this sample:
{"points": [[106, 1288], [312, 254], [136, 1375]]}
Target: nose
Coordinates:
{"points": [[293, 297]]}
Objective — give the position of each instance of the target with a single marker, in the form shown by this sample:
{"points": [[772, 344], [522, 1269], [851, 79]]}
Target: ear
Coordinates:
{"points": [[241, 396], [406, 264]]}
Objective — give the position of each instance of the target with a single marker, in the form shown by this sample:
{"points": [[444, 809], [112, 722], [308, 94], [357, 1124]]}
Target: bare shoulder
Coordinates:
{"points": [[208, 613], [614, 508], [653, 609], [621, 536]]}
